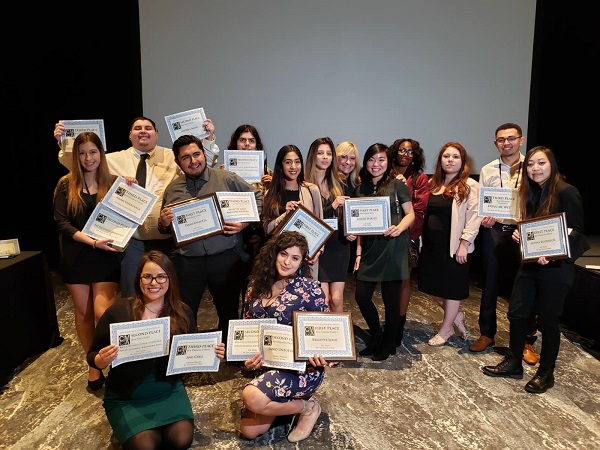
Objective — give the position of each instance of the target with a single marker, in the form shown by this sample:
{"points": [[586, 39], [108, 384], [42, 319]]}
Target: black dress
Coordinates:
{"points": [[439, 274]]}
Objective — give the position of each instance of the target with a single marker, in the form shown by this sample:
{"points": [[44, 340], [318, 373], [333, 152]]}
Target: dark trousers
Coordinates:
{"points": [[545, 289], [223, 274], [390, 292], [501, 259]]}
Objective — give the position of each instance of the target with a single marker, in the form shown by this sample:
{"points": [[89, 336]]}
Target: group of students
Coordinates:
{"points": [[437, 214]]}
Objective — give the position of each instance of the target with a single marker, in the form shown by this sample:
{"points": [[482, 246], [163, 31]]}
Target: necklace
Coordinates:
{"points": [[153, 312]]}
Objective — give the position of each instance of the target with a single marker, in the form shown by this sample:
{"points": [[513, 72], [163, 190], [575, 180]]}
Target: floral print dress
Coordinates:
{"points": [[302, 294]]}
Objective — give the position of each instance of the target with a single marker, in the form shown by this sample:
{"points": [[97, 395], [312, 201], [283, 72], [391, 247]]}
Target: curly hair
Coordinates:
{"points": [[458, 187], [418, 163], [264, 270]]}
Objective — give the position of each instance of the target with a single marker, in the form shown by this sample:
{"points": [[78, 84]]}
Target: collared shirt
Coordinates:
{"points": [[499, 174], [211, 181]]}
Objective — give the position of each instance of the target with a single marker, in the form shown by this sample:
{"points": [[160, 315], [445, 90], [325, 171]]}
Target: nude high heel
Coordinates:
{"points": [[306, 422]]}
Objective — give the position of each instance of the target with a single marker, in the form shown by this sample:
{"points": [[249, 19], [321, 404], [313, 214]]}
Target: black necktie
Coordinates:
{"points": [[140, 173]]}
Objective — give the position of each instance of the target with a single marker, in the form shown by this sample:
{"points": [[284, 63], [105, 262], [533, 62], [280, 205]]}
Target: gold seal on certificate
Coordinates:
{"points": [[501, 203], [323, 333], [196, 218], [366, 215], [545, 236], [248, 164], [315, 230]]}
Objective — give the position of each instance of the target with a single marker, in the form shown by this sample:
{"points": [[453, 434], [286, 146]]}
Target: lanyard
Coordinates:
{"points": [[518, 173]]}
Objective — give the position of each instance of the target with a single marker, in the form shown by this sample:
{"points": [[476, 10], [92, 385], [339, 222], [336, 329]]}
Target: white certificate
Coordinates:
{"points": [[74, 127], [195, 219], [366, 215], [133, 202], [323, 333], [140, 339], [104, 223], [243, 338], [187, 122], [544, 236], [238, 206], [277, 347], [248, 164], [194, 352], [315, 230], [9, 248], [501, 203]]}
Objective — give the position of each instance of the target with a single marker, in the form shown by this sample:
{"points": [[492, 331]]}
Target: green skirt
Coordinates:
{"points": [[152, 404]]}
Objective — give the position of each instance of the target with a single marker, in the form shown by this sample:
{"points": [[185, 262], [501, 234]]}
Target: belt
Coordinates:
{"points": [[504, 228]]}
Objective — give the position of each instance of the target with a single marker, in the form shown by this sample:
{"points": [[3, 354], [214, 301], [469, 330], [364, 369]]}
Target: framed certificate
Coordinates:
{"points": [[238, 206], [74, 127], [501, 203], [276, 344], [243, 337], [140, 339], [248, 164], [9, 248], [366, 215], [194, 352], [187, 122], [133, 202], [544, 236], [196, 218], [323, 333], [105, 223], [305, 222]]}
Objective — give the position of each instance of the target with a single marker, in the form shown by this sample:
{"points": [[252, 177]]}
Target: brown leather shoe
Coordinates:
{"points": [[529, 355], [481, 344]]}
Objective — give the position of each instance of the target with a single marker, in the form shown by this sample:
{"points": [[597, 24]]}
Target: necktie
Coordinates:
{"points": [[140, 173]]}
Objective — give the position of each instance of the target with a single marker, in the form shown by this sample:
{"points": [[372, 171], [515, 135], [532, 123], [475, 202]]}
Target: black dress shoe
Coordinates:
{"points": [[96, 385], [509, 367], [383, 353], [541, 382], [373, 346]]}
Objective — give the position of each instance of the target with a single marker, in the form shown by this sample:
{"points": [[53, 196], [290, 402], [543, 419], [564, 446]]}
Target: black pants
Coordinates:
{"points": [[390, 293], [223, 274]]}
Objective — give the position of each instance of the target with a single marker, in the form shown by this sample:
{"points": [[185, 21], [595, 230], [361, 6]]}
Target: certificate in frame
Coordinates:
{"points": [[74, 127], [187, 122], [248, 164], [323, 333], [196, 218], [243, 337], [105, 223], [366, 215], [306, 223], [131, 201], [545, 236], [501, 203], [194, 352]]}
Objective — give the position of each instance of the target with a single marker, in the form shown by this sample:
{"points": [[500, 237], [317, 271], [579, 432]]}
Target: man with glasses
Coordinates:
{"points": [[501, 255], [216, 261]]}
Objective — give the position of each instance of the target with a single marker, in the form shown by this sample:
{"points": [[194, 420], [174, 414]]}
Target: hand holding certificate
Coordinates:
{"points": [[366, 215], [74, 127], [140, 339], [187, 122], [544, 236], [196, 218], [194, 352]]}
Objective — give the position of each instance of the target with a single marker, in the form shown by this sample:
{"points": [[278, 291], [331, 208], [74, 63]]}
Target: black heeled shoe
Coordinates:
{"points": [[96, 385], [373, 346], [383, 353]]}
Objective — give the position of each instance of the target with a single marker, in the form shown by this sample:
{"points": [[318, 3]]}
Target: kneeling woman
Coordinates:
{"points": [[281, 283]]}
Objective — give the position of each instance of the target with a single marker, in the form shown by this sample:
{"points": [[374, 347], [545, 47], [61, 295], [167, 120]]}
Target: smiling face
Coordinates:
{"points": [[451, 161], [143, 135], [89, 156], [508, 142], [191, 160], [154, 290], [292, 166], [539, 168], [377, 165], [347, 163], [288, 261]]}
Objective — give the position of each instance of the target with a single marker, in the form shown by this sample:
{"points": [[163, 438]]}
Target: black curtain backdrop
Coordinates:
{"points": [[78, 60]]}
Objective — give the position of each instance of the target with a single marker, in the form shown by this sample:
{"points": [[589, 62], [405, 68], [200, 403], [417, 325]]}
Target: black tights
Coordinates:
{"points": [[390, 292], [175, 436]]}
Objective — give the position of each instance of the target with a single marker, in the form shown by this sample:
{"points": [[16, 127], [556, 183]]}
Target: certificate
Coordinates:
{"points": [[248, 164], [323, 333], [74, 127], [276, 344], [194, 352], [104, 223], [133, 202], [140, 339], [366, 215], [9, 248], [197, 218], [238, 206], [544, 236], [243, 338], [306, 223], [187, 122], [501, 203]]}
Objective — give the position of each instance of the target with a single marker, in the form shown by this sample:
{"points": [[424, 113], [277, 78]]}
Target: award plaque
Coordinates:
{"points": [[306, 223], [544, 236], [196, 218], [323, 333], [366, 215], [501, 203]]}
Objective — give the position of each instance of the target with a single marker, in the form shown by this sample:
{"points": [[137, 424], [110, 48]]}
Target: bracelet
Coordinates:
{"points": [[358, 256], [94, 244]]}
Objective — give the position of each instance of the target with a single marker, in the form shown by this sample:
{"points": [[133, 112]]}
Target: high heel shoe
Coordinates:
{"points": [[96, 385], [306, 422], [461, 322]]}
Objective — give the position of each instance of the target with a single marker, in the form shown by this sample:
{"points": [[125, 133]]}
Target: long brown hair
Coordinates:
{"points": [[173, 305], [458, 187], [333, 179], [75, 180]]}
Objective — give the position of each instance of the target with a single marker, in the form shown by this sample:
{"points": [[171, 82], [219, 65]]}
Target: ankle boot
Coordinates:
{"points": [[388, 346], [510, 366], [400, 331], [374, 344], [541, 382]]}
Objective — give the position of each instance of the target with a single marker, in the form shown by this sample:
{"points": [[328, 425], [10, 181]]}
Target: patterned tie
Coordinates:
{"points": [[140, 173]]}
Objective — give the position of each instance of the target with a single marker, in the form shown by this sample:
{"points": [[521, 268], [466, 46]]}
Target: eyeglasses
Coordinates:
{"points": [[511, 139], [405, 151], [161, 278]]}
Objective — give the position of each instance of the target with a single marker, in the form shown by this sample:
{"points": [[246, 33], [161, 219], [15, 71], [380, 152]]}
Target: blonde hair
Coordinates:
{"points": [[343, 149]]}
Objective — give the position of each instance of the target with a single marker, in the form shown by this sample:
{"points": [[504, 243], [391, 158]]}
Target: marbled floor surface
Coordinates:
{"points": [[421, 398]]}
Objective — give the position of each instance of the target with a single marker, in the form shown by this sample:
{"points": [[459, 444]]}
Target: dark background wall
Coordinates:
{"points": [[82, 60]]}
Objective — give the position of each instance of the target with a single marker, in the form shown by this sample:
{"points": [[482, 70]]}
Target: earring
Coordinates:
{"points": [[300, 271]]}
